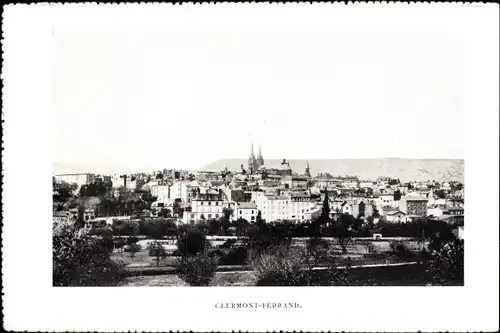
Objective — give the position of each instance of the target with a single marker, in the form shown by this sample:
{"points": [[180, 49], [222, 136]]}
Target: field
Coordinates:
{"points": [[408, 275]]}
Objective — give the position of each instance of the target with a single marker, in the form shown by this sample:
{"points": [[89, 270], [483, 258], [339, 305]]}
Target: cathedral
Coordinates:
{"points": [[255, 163]]}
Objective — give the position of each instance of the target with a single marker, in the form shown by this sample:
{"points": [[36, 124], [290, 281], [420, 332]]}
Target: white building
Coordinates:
{"points": [[346, 208], [247, 211], [299, 205], [118, 181], [207, 205], [179, 190], [274, 208], [386, 199], [161, 192], [75, 178]]}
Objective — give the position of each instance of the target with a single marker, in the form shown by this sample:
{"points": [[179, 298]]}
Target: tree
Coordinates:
{"points": [[344, 229], [192, 242], [227, 213], [241, 226], [259, 220], [214, 227], [93, 190], [133, 249], [202, 226], [325, 211], [397, 195], [445, 262], [177, 209], [225, 224], [316, 251], [79, 260], [441, 194], [155, 249], [62, 191]]}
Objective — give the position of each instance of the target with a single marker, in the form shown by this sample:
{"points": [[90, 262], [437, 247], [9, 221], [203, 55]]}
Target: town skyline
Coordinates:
{"points": [[62, 168]]}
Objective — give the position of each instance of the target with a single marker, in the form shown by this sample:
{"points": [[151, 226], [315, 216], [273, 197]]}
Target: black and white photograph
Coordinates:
{"points": [[259, 146], [258, 159]]}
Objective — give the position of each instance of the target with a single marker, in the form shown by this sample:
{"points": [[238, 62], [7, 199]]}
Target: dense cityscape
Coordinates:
{"points": [[165, 221]]}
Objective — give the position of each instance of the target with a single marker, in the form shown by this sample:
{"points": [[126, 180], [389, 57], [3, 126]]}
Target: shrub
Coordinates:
{"points": [[79, 260], [198, 270], [340, 276], [236, 256], [401, 250], [228, 243], [279, 266], [317, 248], [445, 264]]}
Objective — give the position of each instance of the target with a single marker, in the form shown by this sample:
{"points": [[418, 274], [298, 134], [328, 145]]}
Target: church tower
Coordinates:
{"points": [[260, 159], [252, 162], [308, 173]]}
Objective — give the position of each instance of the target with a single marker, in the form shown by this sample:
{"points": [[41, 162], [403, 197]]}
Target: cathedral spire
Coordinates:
{"points": [[260, 159], [252, 163], [308, 173]]}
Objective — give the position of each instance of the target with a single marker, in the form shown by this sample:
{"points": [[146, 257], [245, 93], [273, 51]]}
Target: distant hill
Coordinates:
{"points": [[367, 169]]}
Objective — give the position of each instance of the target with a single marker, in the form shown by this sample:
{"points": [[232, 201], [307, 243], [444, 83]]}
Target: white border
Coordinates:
{"points": [[30, 303]]}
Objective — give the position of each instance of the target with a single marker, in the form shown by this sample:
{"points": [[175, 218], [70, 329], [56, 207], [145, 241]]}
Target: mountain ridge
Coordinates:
{"points": [[406, 169]]}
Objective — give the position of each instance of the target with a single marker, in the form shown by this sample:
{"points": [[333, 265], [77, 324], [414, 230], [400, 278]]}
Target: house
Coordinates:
{"points": [[457, 213], [385, 199], [247, 211], [413, 205], [296, 182], [313, 214], [206, 204], [362, 209], [346, 208], [300, 204], [458, 230], [394, 216], [436, 210], [274, 207]]}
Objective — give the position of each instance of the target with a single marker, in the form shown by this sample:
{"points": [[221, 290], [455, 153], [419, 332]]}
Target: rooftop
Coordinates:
{"points": [[246, 205], [414, 198]]}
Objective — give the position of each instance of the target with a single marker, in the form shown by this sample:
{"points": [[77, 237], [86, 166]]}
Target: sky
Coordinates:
{"points": [[131, 98]]}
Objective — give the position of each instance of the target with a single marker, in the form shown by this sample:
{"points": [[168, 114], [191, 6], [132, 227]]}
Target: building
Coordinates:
{"points": [[394, 216], [346, 208], [284, 169], [274, 207], [207, 204], [362, 209], [436, 210], [413, 205], [295, 182], [252, 161], [75, 178], [385, 199], [180, 190], [260, 159], [118, 181], [247, 211], [300, 205], [161, 192], [314, 214], [457, 213]]}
